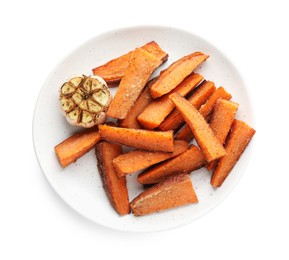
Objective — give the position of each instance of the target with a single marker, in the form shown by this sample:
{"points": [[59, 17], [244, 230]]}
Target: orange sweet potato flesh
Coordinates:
{"points": [[185, 134], [173, 192], [140, 159], [239, 137], [76, 146], [209, 144], [142, 102], [192, 159], [137, 74], [153, 48], [206, 109], [202, 94], [157, 111], [138, 138], [175, 120], [113, 71], [176, 73], [114, 186], [222, 118]]}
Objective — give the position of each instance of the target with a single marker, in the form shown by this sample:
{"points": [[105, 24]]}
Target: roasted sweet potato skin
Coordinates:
{"points": [[173, 192], [74, 147], [113, 71], [114, 186]]}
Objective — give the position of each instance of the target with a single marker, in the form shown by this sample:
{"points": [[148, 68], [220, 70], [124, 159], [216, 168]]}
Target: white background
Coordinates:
{"points": [[253, 222]]}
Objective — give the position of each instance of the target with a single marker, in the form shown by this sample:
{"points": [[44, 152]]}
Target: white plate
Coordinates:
{"points": [[79, 184]]}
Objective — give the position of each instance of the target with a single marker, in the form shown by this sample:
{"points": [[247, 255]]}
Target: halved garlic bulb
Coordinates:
{"points": [[85, 100]]}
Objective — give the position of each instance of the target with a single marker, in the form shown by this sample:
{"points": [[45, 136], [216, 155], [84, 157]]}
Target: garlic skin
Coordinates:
{"points": [[84, 100]]}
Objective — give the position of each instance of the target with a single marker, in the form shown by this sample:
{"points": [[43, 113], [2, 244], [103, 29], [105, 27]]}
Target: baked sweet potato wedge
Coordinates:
{"points": [[192, 159], [239, 137], [222, 118], [173, 192], [185, 134], [153, 48], [142, 102], [205, 110], [138, 138], [209, 144], [137, 74], [157, 110], [114, 186], [176, 73], [113, 71], [72, 148], [175, 120], [140, 159]]}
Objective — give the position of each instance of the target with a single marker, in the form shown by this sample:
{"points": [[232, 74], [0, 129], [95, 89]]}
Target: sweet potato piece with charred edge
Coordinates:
{"points": [[176, 73], [114, 186], [239, 137], [142, 102], [209, 144], [139, 138], [222, 118], [140, 159], [72, 148], [157, 111], [173, 192], [113, 71], [190, 160], [175, 120], [136, 76]]}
